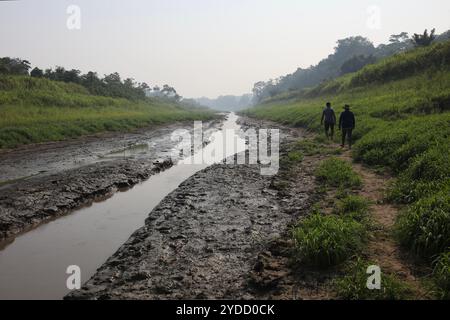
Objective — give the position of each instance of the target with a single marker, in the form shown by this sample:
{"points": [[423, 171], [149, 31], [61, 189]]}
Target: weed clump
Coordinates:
{"points": [[353, 286], [334, 172], [424, 227], [324, 241], [441, 275], [355, 207]]}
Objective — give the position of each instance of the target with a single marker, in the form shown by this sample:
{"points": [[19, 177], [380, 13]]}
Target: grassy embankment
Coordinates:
{"points": [[35, 110], [402, 107]]}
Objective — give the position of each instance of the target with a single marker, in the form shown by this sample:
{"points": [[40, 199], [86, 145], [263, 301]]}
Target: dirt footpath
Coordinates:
{"points": [[203, 240]]}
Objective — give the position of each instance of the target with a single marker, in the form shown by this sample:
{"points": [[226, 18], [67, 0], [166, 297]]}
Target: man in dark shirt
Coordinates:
{"points": [[347, 123], [329, 117]]}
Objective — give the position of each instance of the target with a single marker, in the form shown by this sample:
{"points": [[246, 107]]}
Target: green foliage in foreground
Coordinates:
{"points": [[353, 286], [427, 174], [335, 172], [424, 227], [402, 108], [442, 276], [355, 207], [324, 241], [36, 110]]}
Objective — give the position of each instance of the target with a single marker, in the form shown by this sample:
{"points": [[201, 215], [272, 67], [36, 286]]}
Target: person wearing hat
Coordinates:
{"points": [[347, 124]]}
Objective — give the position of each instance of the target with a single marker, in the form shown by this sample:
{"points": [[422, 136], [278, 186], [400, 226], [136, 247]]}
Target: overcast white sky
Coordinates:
{"points": [[202, 47]]}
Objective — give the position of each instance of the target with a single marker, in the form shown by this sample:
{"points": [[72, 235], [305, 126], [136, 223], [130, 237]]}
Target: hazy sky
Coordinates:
{"points": [[203, 47]]}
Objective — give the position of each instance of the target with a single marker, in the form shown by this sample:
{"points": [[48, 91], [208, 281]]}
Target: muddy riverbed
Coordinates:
{"points": [[203, 231], [41, 182], [206, 238]]}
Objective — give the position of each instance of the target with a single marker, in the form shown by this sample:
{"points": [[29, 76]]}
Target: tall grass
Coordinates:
{"points": [[424, 227], [338, 173], [324, 241], [36, 110], [353, 286], [402, 109], [442, 275]]}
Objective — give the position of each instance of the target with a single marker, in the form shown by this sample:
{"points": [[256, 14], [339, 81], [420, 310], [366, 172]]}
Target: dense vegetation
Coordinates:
{"points": [[350, 55], [110, 85], [37, 109], [327, 240], [402, 107]]}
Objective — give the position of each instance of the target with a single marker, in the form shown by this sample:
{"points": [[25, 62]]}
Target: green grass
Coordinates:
{"points": [[335, 172], [441, 276], [424, 227], [427, 174], [353, 286], [402, 107], [355, 207], [37, 110], [324, 241], [295, 156]]}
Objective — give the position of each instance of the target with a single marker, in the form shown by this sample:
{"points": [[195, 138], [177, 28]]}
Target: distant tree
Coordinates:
{"points": [[37, 73], [169, 91], [58, 74], [445, 36], [258, 90], [401, 37], [129, 83], [357, 63], [113, 78], [348, 47], [48, 73], [71, 76], [14, 66], [144, 86], [93, 83], [425, 39]]}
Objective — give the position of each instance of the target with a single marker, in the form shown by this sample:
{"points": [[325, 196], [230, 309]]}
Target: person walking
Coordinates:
{"points": [[329, 117], [347, 124]]}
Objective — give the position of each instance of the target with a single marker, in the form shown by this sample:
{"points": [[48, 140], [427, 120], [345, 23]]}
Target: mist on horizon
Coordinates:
{"points": [[202, 48]]}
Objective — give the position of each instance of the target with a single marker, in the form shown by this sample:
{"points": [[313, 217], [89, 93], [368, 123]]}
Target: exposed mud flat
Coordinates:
{"points": [[75, 173], [206, 239]]}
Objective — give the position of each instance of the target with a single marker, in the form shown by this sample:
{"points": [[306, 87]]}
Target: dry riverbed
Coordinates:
{"points": [[208, 238]]}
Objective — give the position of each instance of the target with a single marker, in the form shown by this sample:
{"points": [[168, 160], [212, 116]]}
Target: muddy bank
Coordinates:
{"points": [[53, 157], [205, 239], [69, 183]]}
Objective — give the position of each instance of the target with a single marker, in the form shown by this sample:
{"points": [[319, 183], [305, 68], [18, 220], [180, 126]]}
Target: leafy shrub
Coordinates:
{"points": [[337, 173], [324, 241], [424, 227]]}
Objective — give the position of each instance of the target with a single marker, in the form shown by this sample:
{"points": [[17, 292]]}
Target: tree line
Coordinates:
{"points": [[111, 85], [350, 55]]}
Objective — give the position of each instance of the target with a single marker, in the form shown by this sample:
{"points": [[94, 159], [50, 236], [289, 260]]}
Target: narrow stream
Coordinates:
{"points": [[34, 265]]}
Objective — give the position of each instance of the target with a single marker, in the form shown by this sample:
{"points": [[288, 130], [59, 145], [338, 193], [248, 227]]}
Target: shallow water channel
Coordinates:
{"points": [[34, 265]]}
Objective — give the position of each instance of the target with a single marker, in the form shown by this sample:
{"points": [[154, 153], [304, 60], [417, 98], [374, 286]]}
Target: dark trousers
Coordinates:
{"points": [[347, 133], [329, 126]]}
